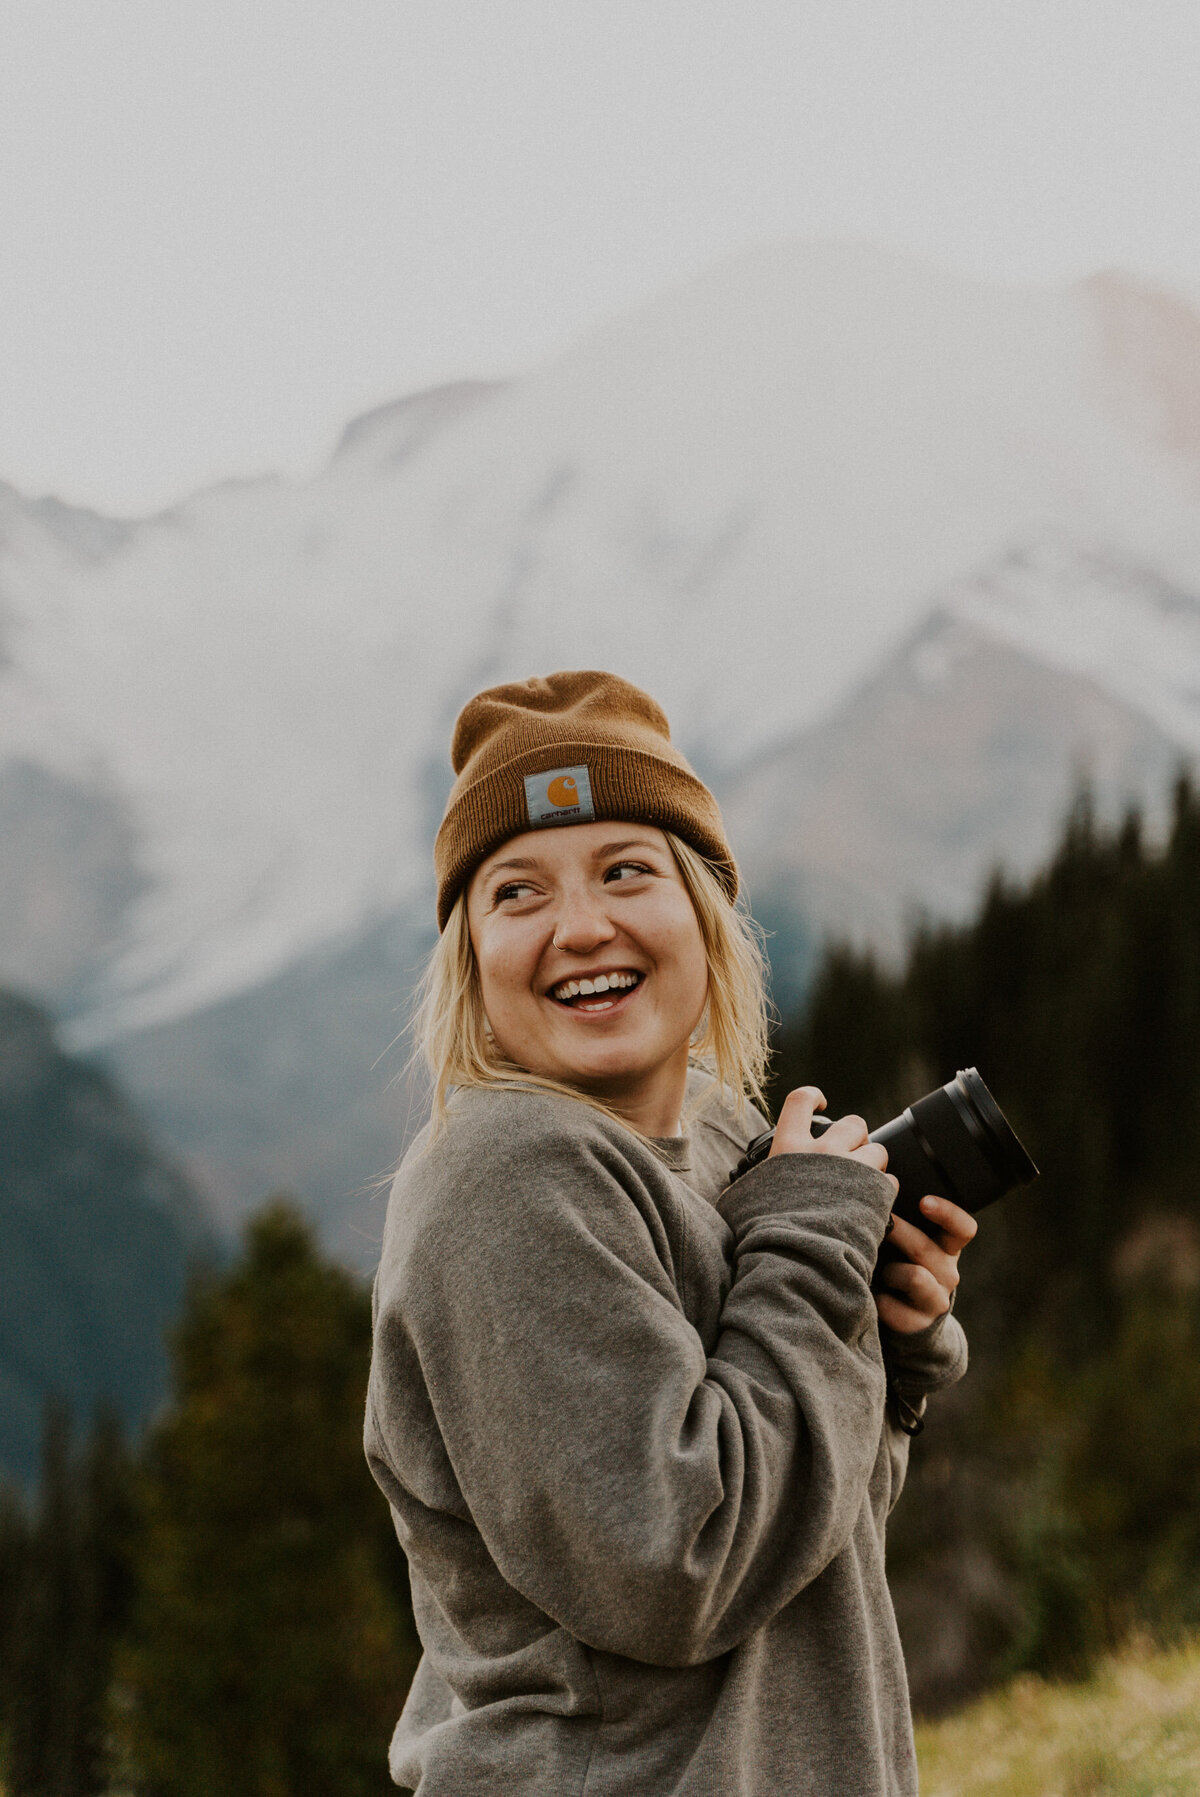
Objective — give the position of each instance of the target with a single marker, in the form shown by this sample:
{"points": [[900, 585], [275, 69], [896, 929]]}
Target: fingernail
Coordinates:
{"points": [[929, 1204]]}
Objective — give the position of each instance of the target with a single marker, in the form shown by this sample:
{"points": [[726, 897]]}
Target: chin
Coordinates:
{"points": [[604, 1061], [615, 1072], [601, 1073]]}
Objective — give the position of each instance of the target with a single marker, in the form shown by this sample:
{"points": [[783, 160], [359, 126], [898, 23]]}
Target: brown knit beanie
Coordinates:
{"points": [[567, 749]]}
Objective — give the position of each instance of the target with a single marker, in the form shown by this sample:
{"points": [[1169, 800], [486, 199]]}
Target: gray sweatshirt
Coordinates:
{"points": [[633, 1430]]}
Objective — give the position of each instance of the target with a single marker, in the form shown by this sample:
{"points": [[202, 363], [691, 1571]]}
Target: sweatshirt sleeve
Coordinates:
{"points": [[926, 1361], [656, 1503]]}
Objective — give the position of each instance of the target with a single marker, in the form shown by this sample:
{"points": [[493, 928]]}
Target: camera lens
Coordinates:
{"points": [[956, 1143]]}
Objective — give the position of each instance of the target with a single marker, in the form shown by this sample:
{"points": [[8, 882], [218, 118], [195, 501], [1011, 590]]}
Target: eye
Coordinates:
{"points": [[626, 867], [510, 889]]}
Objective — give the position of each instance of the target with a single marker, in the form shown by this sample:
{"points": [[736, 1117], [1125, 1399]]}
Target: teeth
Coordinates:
{"points": [[603, 982]]}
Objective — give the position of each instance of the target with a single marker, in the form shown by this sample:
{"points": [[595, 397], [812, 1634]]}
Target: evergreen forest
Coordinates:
{"points": [[225, 1609], [1054, 1499], [218, 1603]]}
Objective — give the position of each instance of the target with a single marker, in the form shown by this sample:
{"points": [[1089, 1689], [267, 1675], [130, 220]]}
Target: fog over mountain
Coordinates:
{"points": [[900, 553]]}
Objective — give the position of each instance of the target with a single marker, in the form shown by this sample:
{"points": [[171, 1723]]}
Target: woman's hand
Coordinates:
{"points": [[848, 1136], [918, 1289]]}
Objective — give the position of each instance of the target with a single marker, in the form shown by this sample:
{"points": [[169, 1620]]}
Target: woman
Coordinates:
{"points": [[634, 1423]]}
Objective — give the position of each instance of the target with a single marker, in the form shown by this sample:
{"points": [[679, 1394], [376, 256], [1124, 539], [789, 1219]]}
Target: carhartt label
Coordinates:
{"points": [[561, 796]]}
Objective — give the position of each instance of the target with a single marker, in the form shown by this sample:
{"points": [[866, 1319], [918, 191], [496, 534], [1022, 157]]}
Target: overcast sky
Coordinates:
{"points": [[226, 226]]}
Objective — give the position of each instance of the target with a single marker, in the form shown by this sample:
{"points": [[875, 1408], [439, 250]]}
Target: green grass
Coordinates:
{"points": [[1132, 1731]]}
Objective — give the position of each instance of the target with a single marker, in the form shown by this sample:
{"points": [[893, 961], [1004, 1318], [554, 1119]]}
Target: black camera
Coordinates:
{"points": [[955, 1142]]}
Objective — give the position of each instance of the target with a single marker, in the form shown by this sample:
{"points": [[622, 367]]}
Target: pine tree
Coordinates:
{"points": [[15, 1532], [71, 1591], [271, 1651], [42, 1749]]}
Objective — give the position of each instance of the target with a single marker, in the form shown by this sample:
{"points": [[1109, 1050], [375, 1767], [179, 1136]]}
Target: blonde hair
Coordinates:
{"points": [[730, 1042]]}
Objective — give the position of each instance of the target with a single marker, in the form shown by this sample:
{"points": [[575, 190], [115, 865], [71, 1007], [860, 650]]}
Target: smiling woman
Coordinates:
{"points": [[492, 867], [592, 970], [484, 1019], [634, 1423]]}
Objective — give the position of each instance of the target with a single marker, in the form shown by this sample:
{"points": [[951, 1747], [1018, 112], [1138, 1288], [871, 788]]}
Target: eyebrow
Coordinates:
{"points": [[607, 848]]}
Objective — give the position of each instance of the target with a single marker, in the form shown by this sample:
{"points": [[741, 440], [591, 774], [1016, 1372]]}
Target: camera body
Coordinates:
{"points": [[955, 1142]]}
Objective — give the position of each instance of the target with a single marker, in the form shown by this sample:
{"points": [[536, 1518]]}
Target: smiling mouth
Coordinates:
{"points": [[602, 993]]}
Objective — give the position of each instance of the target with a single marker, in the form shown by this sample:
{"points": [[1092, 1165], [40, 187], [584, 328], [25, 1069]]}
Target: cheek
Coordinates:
{"points": [[504, 975], [698, 981], [689, 959]]}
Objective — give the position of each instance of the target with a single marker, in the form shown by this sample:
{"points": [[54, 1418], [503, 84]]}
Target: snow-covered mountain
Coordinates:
{"points": [[1039, 675], [223, 729]]}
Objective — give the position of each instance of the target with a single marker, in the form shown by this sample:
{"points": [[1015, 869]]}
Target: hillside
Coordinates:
{"points": [[1132, 1730], [96, 1228]]}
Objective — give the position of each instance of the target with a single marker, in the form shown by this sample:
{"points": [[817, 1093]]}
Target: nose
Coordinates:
{"points": [[582, 923]]}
